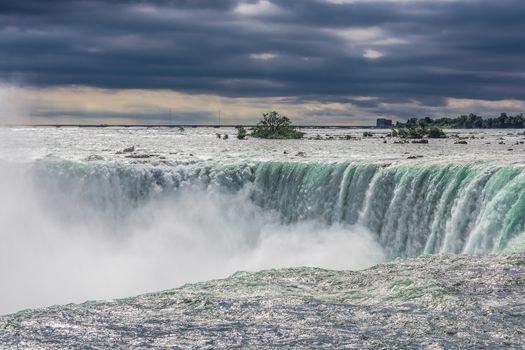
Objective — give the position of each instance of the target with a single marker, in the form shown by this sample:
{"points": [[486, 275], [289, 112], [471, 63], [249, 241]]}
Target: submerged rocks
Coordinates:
{"points": [[139, 156], [94, 157], [129, 149]]}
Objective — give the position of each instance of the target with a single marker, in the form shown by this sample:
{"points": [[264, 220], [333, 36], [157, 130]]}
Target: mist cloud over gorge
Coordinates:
{"points": [[407, 56], [66, 239]]}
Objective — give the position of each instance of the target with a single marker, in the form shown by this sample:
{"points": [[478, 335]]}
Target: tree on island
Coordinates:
{"points": [[276, 126], [471, 121]]}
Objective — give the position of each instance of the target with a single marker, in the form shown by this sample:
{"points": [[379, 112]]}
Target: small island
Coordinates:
{"points": [[275, 126]]}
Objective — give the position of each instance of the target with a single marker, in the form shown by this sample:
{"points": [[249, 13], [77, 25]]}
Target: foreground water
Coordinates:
{"points": [[433, 302], [82, 218]]}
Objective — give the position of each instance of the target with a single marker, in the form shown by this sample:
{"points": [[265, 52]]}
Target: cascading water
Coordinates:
{"points": [[145, 227], [412, 210], [89, 222]]}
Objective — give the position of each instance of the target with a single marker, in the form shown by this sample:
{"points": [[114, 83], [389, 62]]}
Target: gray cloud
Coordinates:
{"points": [[310, 50]]}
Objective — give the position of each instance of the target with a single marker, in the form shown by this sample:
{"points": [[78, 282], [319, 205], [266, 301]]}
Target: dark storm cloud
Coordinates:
{"points": [[308, 49]]}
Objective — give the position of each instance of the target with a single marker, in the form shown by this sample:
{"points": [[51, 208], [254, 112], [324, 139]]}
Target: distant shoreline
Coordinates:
{"points": [[177, 126], [218, 126]]}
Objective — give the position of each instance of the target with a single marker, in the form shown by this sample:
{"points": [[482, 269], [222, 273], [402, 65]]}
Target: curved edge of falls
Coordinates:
{"points": [[412, 210]]}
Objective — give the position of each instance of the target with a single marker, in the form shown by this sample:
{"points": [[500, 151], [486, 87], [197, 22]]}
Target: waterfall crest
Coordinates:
{"points": [[412, 210]]}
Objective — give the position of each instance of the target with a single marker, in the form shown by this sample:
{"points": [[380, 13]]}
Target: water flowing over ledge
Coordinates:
{"points": [[145, 227], [411, 210]]}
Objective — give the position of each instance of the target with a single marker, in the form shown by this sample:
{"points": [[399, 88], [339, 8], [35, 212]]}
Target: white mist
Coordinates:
{"points": [[58, 248]]}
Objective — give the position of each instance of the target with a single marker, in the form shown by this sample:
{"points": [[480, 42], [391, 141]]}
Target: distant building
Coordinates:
{"points": [[383, 123]]}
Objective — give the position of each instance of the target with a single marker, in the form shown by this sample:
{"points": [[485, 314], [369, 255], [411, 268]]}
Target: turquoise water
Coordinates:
{"points": [[80, 220], [410, 210]]}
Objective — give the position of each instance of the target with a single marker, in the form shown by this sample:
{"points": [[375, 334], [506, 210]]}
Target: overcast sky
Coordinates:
{"points": [[319, 61]]}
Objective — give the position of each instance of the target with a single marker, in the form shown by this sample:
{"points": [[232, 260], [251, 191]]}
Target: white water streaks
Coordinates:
{"points": [[411, 210], [80, 219], [73, 232]]}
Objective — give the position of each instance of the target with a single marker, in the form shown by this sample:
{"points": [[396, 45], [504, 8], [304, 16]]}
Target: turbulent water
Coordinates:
{"points": [[437, 302], [82, 219]]}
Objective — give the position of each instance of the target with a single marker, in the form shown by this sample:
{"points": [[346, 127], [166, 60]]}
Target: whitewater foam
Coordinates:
{"points": [[76, 210], [75, 232], [431, 302]]}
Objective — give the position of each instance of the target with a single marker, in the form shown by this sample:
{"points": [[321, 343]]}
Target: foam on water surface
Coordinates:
{"points": [[82, 219], [438, 302], [201, 145]]}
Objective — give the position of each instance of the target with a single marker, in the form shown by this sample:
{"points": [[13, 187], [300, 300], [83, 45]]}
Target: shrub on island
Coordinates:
{"points": [[276, 126], [435, 132]]}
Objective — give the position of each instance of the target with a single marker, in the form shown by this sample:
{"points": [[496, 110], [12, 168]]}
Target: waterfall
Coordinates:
{"points": [[411, 210]]}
